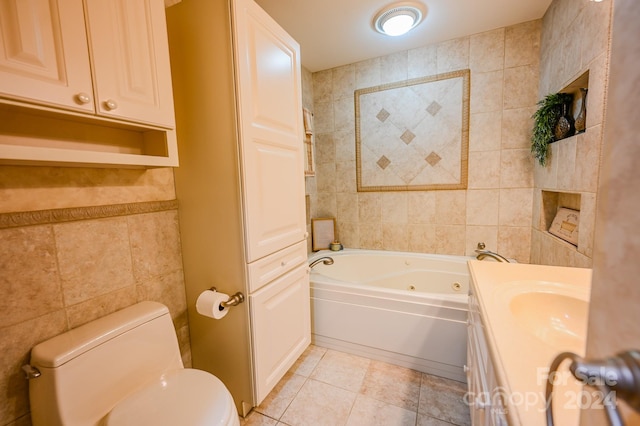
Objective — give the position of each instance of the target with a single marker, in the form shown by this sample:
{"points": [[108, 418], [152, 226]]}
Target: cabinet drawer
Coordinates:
{"points": [[269, 268]]}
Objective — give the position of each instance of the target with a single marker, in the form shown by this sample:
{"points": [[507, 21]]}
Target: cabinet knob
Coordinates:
{"points": [[465, 368], [306, 235], [83, 98], [110, 104]]}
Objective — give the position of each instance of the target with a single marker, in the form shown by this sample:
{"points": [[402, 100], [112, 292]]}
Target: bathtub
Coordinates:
{"points": [[406, 309]]}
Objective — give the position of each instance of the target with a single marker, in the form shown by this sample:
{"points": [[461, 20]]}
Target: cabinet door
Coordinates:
{"points": [[268, 85], [281, 327], [130, 54], [43, 57]]}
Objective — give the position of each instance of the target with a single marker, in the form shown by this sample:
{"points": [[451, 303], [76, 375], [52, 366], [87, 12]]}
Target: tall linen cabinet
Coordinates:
{"points": [[240, 188]]}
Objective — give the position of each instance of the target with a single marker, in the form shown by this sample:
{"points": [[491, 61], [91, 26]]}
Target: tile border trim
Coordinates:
{"points": [[44, 217]]}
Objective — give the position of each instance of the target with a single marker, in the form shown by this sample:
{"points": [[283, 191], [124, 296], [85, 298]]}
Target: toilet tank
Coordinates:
{"points": [[86, 371]]}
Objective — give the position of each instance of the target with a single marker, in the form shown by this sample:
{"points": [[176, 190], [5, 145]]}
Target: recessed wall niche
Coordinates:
{"points": [[579, 88], [552, 202]]}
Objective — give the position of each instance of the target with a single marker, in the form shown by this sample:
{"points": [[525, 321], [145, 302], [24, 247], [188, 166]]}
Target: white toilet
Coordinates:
{"points": [[123, 369]]}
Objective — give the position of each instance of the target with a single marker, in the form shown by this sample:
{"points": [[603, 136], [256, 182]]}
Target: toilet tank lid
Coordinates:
{"points": [[66, 346]]}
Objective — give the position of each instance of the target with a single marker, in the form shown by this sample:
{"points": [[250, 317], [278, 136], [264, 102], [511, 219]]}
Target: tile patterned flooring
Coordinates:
{"points": [[327, 387]]}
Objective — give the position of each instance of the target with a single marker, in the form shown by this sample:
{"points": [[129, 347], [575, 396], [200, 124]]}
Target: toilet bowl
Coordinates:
{"points": [[120, 370]]}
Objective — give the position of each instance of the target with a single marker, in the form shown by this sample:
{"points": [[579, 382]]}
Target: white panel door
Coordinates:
{"points": [[43, 53], [270, 126], [129, 50], [281, 327]]}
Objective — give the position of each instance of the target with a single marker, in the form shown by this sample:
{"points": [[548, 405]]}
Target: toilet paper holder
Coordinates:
{"points": [[234, 299]]}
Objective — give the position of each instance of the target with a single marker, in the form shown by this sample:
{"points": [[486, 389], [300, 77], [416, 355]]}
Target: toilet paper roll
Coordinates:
{"points": [[209, 304]]}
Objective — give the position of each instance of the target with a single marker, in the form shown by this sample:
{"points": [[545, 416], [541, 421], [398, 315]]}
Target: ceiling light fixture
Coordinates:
{"points": [[398, 18]]}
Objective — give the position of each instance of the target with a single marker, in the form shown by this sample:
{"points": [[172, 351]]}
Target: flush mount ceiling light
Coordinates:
{"points": [[398, 18]]}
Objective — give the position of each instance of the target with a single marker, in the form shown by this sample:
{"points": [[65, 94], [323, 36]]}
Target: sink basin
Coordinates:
{"points": [[556, 319]]}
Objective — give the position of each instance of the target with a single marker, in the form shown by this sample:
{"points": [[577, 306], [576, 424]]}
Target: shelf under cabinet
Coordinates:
{"points": [[30, 136]]}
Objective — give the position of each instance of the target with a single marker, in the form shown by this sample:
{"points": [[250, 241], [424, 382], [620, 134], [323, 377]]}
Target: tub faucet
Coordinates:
{"points": [[482, 253], [326, 260]]}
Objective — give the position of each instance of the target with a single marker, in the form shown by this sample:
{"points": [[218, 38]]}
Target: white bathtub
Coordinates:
{"points": [[407, 309]]}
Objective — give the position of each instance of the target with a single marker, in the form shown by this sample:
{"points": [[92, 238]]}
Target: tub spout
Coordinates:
{"points": [[326, 260], [482, 253]]}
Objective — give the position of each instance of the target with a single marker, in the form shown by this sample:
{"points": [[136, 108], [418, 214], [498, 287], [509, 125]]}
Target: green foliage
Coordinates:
{"points": [[544, 121]]}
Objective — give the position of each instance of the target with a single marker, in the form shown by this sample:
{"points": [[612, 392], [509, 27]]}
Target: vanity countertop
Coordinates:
{"points": [[532, 313]]}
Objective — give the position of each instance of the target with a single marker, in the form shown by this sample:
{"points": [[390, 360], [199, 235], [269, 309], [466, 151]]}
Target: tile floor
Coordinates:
{"points": [[327, 387]]}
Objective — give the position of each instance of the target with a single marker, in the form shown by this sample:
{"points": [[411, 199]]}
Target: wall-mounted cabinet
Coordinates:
{"points": [[79, 68]]}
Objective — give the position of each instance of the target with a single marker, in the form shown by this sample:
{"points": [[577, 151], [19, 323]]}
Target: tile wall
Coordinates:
{"points": [[575, 39], [77, 244], [497, 206]]}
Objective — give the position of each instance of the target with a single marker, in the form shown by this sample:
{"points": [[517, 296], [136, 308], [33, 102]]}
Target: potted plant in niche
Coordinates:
{"points": [[547, 124]]}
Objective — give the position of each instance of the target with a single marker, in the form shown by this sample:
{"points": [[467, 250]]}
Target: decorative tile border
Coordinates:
{"points": [[43, 217], [401, 155]]}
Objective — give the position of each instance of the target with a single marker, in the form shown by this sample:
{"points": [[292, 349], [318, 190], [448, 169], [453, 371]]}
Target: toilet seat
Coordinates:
{"points": [[179, 397]]}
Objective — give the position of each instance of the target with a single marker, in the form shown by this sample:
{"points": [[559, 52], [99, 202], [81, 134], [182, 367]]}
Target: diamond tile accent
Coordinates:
{"points": [[383, 162], [383, 115], [434, 108], [433, 159], [407, 137]]}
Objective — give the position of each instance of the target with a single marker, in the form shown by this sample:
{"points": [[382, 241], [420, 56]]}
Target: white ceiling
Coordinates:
{"points": [[338, 32]]}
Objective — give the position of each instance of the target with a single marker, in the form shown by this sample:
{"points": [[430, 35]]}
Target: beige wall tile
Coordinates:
{"points": [[594, 34], [326, 177], [345, 145], [598, 76], [395, 207], [516, 128], [422, 61], [514, 242], [522, 44], [515, 207], [346, 176], [451, 207], [486, 92], [421, 207], [323, 117], [344, 82], [393, 67], [99, 306], [484, 169], [487, 50], [450, 239], [94, 258], [483, 207], [422, 238], [587, 224], [485, 131], [343, 111], [566, 158], [149, 234], [588, 148], [29, 282], [370, 236], [307, 89], [481, 234], [347, 204], [453, 55], [40, 188], [370, 207], [16, 342], [395, 236], [517, 94], [368, 73], [516, 168], [349, 234], [322, 87], [327, 205], [325, 149]]}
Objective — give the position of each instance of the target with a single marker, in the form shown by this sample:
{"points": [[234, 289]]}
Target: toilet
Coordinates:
{"points": [[123, 369]]}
